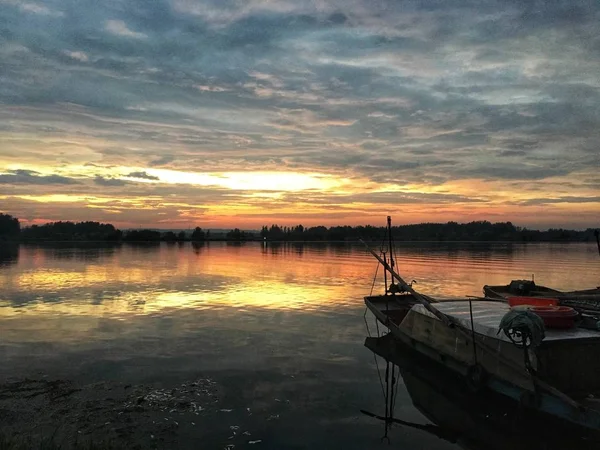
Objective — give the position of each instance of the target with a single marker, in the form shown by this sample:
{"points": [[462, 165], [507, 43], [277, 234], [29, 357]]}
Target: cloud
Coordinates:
{"points": [[32, 177], [142, 175], [565, 199], [102, 181], [405, 93], [384, 198], [119, 28], [79, 56], [34, 8], [162, 160]]}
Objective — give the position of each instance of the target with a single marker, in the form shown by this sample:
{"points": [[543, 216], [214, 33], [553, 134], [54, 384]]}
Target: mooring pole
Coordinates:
{"points": [[473, 332], [391, 248]]}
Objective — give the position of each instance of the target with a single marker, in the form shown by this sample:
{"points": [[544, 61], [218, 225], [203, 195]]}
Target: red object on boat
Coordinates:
{"points": [[533, 301], [556, 316]]}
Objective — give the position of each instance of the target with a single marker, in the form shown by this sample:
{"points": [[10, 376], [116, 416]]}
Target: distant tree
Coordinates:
{"points": [[198, 234], [264, 232], [276, 233], [142, 236], [181, 236], [169, 236], [482, 230], [9, 226], [72, 231], [238, 235]]}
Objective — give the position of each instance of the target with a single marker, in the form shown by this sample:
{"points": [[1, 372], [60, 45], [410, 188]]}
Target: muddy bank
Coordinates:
{"points": [[193, 414]]}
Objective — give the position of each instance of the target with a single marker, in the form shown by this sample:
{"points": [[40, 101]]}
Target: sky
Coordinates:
{"points": [[230, 113]]}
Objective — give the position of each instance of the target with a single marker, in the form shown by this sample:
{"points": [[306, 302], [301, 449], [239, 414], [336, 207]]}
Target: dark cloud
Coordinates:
{"points": [[142, 175], [381, 198], [33, 177], [162, 160], [565, 199], [102, 181]]}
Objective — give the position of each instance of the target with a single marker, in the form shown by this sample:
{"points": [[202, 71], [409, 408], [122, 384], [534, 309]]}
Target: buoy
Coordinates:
{"points": [[556, 316], [533, 301]]}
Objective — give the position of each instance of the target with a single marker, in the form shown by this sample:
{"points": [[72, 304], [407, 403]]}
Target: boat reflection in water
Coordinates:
{"points": [[478, 420]]}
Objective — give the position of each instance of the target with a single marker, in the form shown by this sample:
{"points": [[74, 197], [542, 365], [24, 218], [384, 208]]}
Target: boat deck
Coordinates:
{"points": [[487, 317], [390, 307]]}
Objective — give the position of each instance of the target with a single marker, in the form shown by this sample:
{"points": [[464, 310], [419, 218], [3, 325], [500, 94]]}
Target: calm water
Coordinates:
{"points": [[275, 325]]}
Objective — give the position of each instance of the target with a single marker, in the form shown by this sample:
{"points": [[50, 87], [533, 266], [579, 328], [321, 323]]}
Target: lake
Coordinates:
{"points": [[276, 329]]}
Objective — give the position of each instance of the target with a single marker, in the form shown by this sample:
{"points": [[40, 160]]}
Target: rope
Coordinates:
{"points": [[381, 247], [473, 332], [366, 323], [524, 328], [392, 398], [379, 375], [374, 356], [395, 395], [374, 279], [387, 395]]}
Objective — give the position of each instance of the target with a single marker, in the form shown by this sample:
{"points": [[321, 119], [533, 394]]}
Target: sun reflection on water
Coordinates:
{"points": [[144, 293], [122, 281], [145, 280]]}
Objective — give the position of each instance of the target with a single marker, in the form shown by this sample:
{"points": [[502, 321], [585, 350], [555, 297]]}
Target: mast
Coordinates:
{"points": [[391, 249]]}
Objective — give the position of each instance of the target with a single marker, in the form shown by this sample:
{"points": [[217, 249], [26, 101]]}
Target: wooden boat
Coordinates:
{"points": [[555, 378], [481, 420], [586, 301], [528, 288], [396, 301]]}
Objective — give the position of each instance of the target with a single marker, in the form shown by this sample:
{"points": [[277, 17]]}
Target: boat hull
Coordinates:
{"points": [[392, 308], [589, 296], [498, 364], [526, 288], [481, 419]]}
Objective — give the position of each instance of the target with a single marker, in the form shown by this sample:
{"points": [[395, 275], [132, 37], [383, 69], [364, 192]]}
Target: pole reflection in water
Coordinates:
{"points": [[476, 420]]}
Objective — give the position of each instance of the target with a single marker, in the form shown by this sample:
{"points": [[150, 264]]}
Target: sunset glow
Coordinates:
{"points": [[200, 113]]}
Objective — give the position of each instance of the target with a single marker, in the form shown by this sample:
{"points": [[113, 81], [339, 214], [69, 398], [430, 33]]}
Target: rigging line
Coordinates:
{"points": [[381, 247], [473, 332], [374, 278], [395, 252], [390, 242], [379, 375], [387, 396], [392, 399], [396, 392], [366, 323]]}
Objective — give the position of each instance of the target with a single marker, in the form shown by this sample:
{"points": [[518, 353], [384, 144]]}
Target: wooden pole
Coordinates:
{"points": [[423, 299]]}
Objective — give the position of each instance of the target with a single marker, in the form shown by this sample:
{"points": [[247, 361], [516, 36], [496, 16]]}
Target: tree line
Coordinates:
{"points": [[450, 231], [10, 229]]}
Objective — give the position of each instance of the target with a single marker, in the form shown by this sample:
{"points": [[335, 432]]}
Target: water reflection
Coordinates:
{"points": [[108, 279], [275, 321], [84, 251], [120, 281], [9, 253], [197, 246], [475, 420]]}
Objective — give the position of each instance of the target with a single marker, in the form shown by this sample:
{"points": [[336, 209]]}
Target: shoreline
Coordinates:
{"points": [[61, 414], [349, 241]]}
